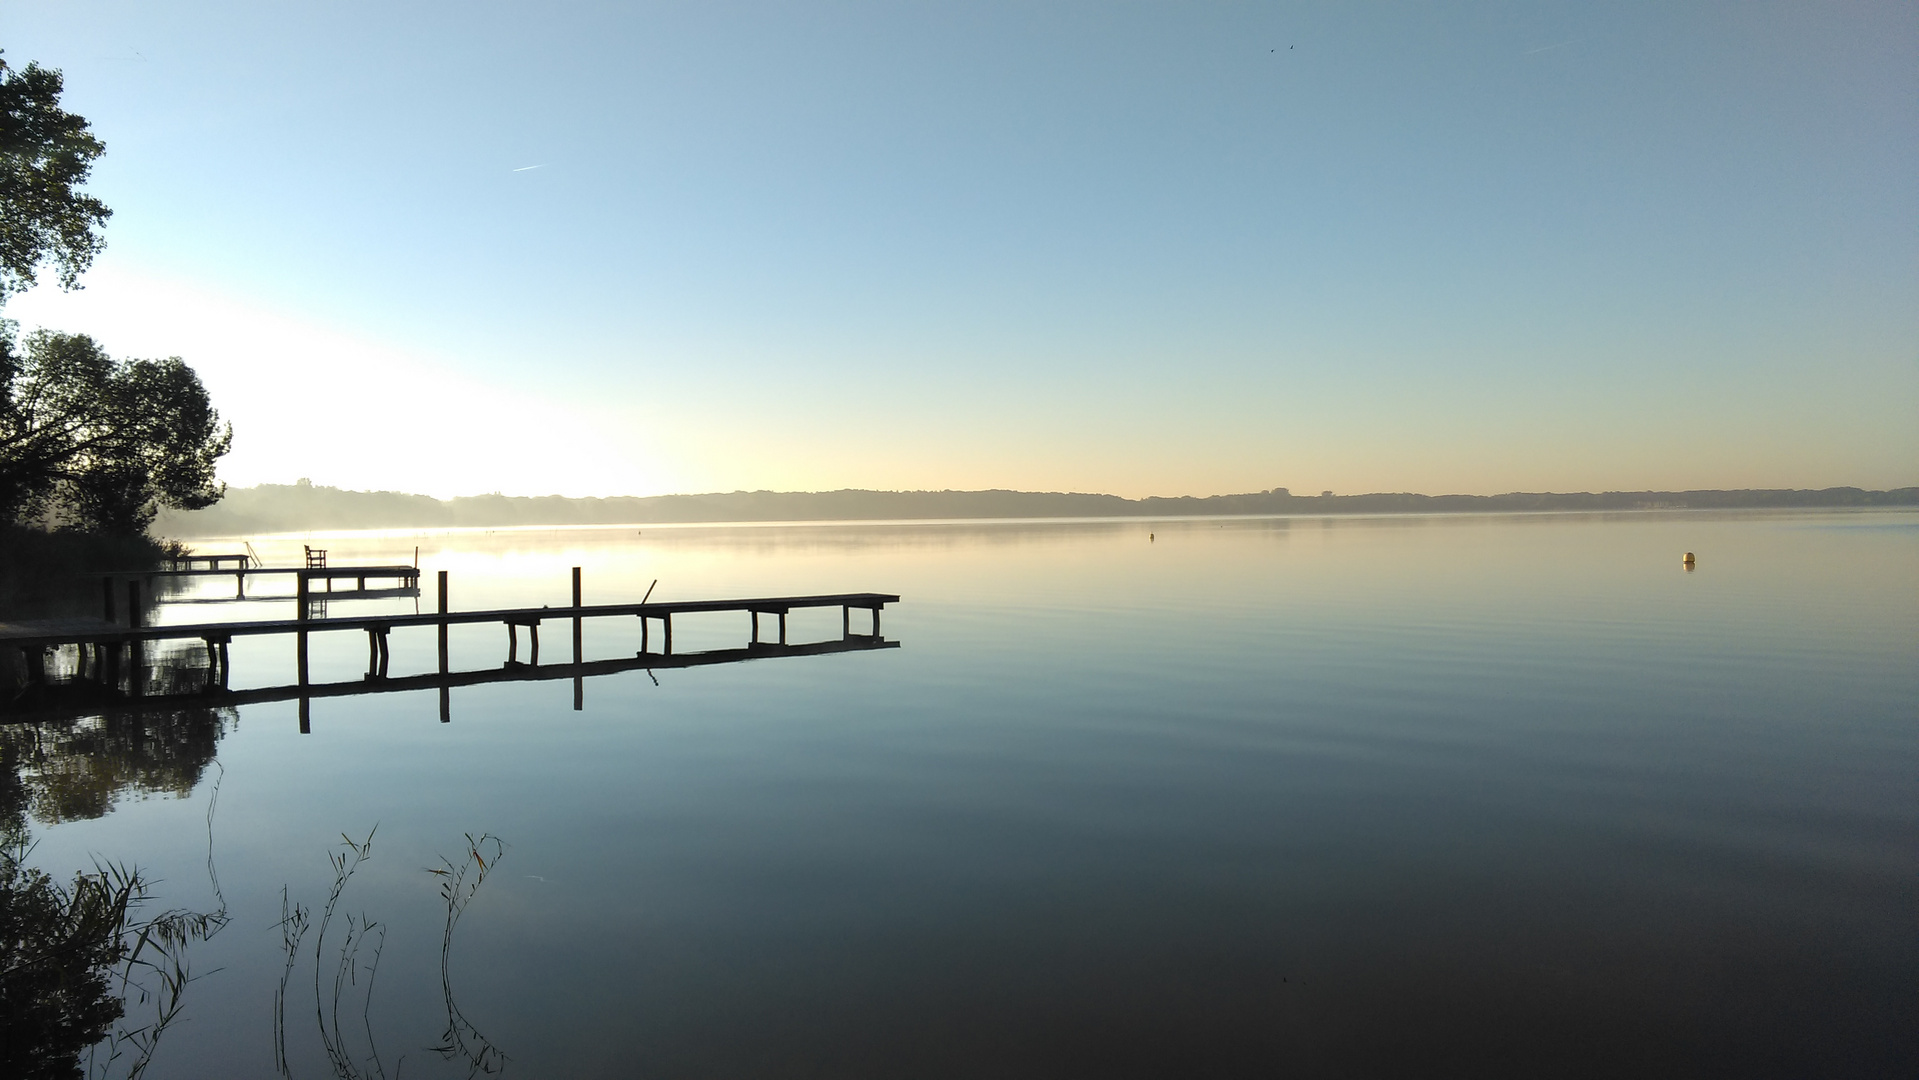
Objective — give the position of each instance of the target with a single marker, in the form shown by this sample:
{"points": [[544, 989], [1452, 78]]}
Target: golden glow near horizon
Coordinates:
{"points": [[1135, 252]]}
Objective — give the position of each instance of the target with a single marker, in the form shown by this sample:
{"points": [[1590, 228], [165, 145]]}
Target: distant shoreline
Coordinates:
{"points": [[279, 508]]}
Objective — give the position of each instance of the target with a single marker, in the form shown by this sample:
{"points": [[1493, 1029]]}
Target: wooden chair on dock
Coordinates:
{"points": [[316, 558]]}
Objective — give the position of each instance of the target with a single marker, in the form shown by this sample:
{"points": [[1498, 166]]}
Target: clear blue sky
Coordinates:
{"points": [[1138, 248]]}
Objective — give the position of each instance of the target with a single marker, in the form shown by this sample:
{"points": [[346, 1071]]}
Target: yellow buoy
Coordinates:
{"points": [[1688, 560]]}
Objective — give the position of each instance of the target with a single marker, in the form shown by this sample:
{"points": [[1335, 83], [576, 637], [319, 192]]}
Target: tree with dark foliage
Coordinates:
{"points": [[101, 444], [45, 154]]}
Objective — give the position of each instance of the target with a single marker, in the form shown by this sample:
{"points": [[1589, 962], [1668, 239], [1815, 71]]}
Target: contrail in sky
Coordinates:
{"points": [[529, 168], [1548, 48]]}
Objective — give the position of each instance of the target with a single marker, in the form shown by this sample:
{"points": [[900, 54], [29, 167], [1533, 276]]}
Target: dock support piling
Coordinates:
{"points": [[377, 653], [133, 602], [578, 652], [846, 621], [300, 588], [106, 594], [443, 667], [668, 620]]}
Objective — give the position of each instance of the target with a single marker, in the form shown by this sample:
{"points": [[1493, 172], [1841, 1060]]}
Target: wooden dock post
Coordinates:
{"points": [[532, 624], [579, 652], [443, 626], [136, 650], [846, 621], [300, 644], [668, 620], [377, 653], [106, 594]]}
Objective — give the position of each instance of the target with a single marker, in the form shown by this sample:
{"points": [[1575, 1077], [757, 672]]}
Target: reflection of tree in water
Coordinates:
{"points": [[73, 769], [75, 958], [66, 770], [58, 950]]}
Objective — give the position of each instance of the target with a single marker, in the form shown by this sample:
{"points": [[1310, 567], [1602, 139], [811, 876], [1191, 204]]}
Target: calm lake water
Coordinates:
{"points": [[1510, 796]]}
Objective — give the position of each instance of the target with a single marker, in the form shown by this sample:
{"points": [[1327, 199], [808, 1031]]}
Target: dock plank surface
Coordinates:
{"points": [[99, 632]]}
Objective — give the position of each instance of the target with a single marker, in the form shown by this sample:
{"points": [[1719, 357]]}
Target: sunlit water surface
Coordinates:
{"points": [[1349, 796]]}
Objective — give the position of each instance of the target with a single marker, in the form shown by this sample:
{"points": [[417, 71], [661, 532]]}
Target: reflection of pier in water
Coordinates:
{"points": [[110, 660]]}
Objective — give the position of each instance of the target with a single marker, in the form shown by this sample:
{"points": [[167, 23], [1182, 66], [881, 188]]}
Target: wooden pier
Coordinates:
{"points": [[102, 644], [403, 577], [187, 563]]}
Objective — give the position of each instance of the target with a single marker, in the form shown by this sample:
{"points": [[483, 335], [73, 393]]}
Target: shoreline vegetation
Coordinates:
{"points": [[270, 508], [43, 573]]}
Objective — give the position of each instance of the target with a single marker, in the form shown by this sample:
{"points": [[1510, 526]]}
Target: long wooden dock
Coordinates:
{"points": [[98, 632], [106, 649]]}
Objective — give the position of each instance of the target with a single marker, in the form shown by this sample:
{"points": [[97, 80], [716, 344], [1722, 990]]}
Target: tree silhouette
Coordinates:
{"points": [[102, 444], [45, 154]]}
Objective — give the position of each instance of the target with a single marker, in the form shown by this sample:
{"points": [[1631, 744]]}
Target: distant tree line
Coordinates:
{"points": [[289, 507]]}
